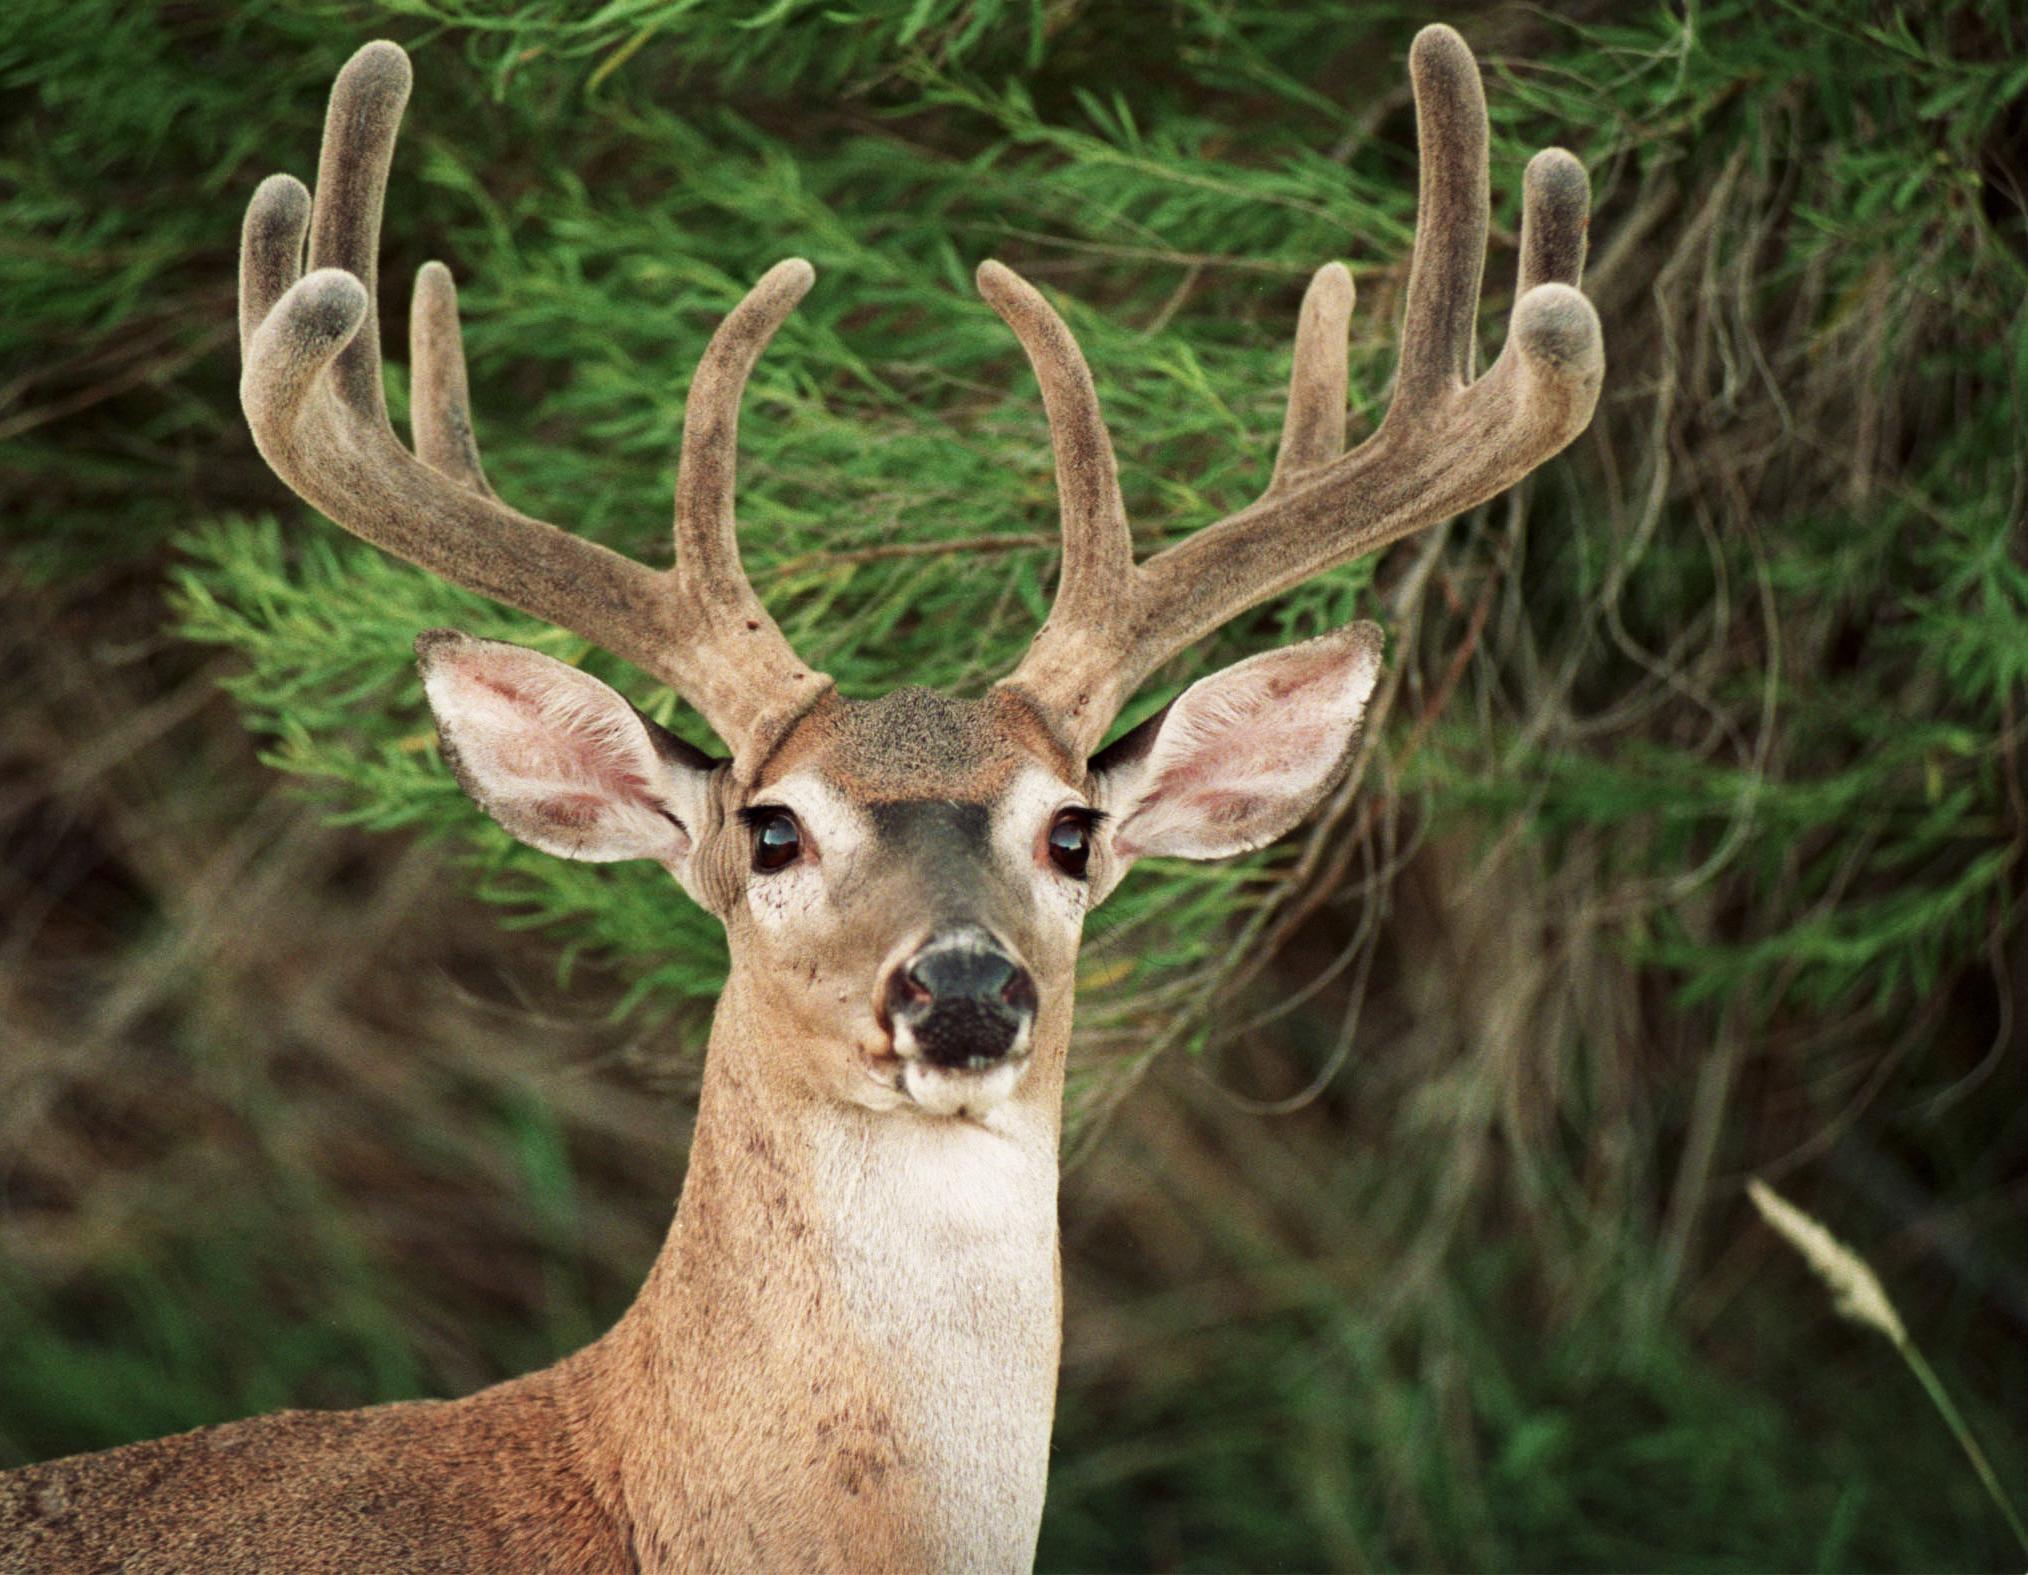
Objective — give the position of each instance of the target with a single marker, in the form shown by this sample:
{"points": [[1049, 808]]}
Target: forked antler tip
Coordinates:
{"points": [[314, 320]]}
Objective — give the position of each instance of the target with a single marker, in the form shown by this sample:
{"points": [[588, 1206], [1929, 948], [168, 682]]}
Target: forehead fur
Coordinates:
{"points": [[916, 744]]}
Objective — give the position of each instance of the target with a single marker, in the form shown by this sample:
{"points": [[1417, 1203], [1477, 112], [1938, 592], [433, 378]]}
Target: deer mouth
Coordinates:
{"points": [[958, 1010], [960, 1091], [949, 1076]]}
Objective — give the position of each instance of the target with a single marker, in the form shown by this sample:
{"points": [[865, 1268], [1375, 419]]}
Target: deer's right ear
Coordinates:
{"points": [[558, 759]]}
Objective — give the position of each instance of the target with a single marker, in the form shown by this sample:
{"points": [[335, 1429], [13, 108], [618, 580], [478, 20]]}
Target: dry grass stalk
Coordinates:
{"points": [[1855, 1288], [1859, 1295]]}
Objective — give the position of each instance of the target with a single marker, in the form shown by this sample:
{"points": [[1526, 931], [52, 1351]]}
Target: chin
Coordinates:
{"points": [[938, 1091]]}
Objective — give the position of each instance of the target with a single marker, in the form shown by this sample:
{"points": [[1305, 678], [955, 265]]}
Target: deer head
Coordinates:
{"points": [[904, 880]]}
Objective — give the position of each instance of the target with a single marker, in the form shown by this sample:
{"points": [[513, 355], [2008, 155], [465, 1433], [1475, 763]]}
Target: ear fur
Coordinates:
{"points": [[558, 759], [1241, 756]]}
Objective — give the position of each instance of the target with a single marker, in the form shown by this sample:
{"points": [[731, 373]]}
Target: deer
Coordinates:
{"points": [[845, 1355]]}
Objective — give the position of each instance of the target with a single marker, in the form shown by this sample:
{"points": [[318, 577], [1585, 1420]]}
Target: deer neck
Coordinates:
{"points": [[847, 1348]]}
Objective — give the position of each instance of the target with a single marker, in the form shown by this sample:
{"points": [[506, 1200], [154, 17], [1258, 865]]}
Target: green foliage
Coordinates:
{"points": [[1725, 704], [1463, 1439]]}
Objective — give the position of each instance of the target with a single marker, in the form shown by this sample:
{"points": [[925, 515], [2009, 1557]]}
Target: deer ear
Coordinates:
{"points": [[1241, 756], [558, 759]]}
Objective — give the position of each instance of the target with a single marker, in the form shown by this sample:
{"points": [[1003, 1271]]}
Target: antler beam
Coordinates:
{"points": [[1446, 444], [313, 395]]}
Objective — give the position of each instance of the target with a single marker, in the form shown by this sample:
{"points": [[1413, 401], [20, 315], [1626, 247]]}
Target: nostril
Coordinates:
{"points": [[1019, 991], [906, 997]]}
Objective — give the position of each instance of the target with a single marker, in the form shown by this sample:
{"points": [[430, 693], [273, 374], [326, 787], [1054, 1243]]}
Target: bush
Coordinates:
{"points": [[1691, 846]]}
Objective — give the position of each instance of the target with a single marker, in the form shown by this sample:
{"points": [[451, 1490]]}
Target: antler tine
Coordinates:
{"points": [[270, 250], [1098, 550], [707, 544], [1446, 444], [1313, 430], [1452, 199], [1555, 216], [750, 655], [439, 394], [364, 118], [313, 396]]}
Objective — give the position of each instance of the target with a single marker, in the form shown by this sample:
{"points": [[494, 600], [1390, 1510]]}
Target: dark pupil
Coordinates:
{"points": [[1070, 845], [776, 842]]}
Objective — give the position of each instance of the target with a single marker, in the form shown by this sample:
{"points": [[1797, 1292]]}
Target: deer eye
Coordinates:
{"points": [[1070, 841], [777, 839]]}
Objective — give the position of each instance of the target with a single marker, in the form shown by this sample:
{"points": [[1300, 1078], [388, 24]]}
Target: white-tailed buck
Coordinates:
{"points": [[845, 1356]]}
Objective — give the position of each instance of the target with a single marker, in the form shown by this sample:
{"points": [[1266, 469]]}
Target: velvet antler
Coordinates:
{"points": [[312, 391], [1446, 444]]}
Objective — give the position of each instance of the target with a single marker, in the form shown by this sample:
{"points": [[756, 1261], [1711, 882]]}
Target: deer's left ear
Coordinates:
{"points": [[559, 759], [1241, 756]]}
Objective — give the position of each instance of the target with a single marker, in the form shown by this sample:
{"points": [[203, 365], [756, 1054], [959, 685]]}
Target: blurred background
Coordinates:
{"points": [[1404, 1223]]}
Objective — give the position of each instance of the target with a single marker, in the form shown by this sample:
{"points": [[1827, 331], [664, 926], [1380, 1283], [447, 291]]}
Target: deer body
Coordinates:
{"points": [[845, 1356]]}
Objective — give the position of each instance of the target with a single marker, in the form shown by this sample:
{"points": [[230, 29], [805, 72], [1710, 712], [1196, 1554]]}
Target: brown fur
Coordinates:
{"points": [[752, 1425], [505, 1479], [895, 746]]}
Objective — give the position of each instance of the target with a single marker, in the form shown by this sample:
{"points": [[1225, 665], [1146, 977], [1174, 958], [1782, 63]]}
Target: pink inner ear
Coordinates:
{"points": [[570, 811], [544, 728], [1224, 808], [1243, 746], [1244, 753], [552, 754], [496, 683]]}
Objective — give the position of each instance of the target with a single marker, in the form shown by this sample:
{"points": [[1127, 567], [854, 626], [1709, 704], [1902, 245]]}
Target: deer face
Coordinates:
{"points": [[904, 881]]}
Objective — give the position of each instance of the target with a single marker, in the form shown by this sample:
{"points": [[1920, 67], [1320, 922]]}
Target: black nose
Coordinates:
{"points": [[965, 1001]]}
